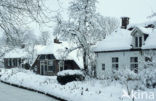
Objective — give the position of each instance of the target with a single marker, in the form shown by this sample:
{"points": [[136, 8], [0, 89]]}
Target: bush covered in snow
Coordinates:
{"points": [[145, 78], [125, 74], [66, 76], [148, 77]]}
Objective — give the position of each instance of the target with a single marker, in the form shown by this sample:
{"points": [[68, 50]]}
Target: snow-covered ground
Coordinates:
{"points": [[10, 93], [88, 90]]}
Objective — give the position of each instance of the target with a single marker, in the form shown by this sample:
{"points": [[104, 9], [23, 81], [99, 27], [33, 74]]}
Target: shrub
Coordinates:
{"points": [[66, 76], [148, 77]]}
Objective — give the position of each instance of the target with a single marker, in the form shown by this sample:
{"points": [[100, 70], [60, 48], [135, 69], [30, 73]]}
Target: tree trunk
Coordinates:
{"points": [[85, 61]]}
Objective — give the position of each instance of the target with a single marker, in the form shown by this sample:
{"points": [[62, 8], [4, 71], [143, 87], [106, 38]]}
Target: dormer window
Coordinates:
{"points": [[138, 42], [139, 36]]}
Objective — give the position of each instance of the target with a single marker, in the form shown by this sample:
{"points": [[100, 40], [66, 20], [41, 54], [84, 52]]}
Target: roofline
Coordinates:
{"points": [[46, 54], [124, 50], [15, 58]]}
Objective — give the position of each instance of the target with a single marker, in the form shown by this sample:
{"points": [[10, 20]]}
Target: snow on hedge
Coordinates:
{"points": [[70, 72], [89, 90]]}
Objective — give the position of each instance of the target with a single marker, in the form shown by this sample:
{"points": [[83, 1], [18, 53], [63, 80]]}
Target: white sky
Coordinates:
{"points": [[137, 10]]}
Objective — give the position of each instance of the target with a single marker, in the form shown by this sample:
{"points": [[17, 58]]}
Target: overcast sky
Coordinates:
{"points": [[137, 10]]}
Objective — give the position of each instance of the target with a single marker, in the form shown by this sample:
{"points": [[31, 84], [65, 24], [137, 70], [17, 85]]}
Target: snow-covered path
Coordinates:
{"points": [[10, 93]]}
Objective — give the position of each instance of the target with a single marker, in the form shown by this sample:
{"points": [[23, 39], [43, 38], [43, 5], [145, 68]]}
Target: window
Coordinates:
{"points": [[138, 42], [134, 64], [42, 57], [18, 62], [103, 67], [148, 59], [46, 69], [50, 66], [148, 62], [14, 62], [50, 63], [115, 63], [50, 56], [9, 62]]}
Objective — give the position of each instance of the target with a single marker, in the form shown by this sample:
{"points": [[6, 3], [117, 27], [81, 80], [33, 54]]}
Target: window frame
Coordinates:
{"points": [[139, 41], [148, 62], [115, 63], [134, 64], [51, 65], [15, 62], [103, 67], [41, 57], [9, 62]]}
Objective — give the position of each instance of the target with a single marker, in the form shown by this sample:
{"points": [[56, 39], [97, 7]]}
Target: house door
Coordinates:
{"points": [[43, 68]]}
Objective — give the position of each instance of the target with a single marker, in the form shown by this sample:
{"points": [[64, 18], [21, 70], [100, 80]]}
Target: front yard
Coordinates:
{"points": [[88, 90]]}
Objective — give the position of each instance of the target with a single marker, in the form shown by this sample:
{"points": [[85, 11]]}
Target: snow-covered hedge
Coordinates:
{"points": [[67, 76], [148, 77], [70, 72], [125, 74]]}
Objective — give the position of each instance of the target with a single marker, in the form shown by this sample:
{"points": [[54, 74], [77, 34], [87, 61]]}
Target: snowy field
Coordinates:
{"points": [[10, 93], [89, 90]]}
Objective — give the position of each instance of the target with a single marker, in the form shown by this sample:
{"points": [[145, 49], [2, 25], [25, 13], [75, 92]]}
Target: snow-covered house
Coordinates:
{"points": [[53, 58], [125, 49], [17, 57]]}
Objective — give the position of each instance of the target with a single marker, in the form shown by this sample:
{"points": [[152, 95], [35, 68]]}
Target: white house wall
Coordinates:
{"points": [[124, 61]]}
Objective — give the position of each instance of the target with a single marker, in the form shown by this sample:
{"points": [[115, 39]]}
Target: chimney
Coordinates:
{"points": [[57, 41], [125, 22]]}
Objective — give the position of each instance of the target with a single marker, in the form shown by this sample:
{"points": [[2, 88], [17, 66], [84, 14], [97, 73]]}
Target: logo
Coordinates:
{"points": [[138, 95]]}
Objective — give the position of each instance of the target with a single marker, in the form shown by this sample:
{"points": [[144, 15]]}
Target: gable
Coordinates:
{"points": [[46, 56], [137, 32], [139, 38]]}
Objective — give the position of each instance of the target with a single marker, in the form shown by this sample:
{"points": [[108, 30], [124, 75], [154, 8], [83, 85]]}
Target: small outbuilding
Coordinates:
{"points": [[54, 58], [17, 57]]}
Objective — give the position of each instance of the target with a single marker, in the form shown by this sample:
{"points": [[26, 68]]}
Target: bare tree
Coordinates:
{"points": [[109, 24], [44, 38], [20, 36], [14, 13], [83, 28]]}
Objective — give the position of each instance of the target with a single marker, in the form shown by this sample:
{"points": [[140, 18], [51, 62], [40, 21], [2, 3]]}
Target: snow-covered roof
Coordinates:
{"points": [[146, 23], [16, 53], [118, 40], [150, 43], [146, 30], [60, 52], [53, 48], [122, 40]]}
